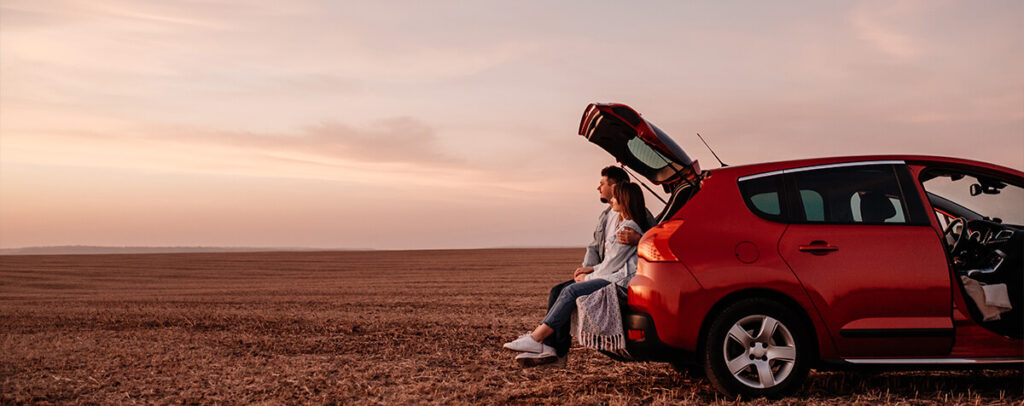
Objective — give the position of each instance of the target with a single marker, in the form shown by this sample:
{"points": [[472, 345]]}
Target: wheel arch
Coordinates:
{"points": [[762, 293]]}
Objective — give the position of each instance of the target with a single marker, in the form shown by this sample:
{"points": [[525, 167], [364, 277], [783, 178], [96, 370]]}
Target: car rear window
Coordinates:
{"points": [[761, 195]]}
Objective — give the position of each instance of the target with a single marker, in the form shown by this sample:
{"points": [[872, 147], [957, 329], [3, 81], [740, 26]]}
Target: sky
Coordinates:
{"points": [[452, 124]]}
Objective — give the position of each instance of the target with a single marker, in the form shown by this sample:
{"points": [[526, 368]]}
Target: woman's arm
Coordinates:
{"points": [[614, 267]]}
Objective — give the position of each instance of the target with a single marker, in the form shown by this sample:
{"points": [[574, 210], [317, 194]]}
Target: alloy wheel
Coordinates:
{"points": [[759, 351]]}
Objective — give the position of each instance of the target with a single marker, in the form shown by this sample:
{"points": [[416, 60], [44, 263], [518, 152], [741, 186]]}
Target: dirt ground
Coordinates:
{"points": [[346, 327]]}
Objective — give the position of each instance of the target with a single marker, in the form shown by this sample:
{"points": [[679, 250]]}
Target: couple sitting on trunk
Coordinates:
{"points": [[610, 259]]}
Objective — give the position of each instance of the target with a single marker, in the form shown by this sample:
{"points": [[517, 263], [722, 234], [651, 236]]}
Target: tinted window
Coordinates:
{"points": [[856, 194], [855, 208], [767, 203], [762, 196]]}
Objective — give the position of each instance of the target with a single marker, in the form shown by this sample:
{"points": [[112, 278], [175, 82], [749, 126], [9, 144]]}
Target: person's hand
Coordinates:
{"points": [[629, 236], [582, 271], [580, 277]]}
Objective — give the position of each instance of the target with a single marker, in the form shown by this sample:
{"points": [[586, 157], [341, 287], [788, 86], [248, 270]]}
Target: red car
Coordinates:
{"points": [[757, 273]]}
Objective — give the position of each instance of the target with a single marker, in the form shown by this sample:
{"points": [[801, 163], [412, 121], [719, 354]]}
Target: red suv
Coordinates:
{"points": [[757, 273]]}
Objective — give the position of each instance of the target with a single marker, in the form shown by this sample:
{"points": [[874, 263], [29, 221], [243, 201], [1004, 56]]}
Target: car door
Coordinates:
{"points": [[869, 259]]}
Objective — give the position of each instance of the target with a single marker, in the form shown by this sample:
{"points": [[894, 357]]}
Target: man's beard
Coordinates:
{"points": [[603, 200]]}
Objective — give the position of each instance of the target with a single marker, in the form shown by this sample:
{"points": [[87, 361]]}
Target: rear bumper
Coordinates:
{"points": [[649, 347]]}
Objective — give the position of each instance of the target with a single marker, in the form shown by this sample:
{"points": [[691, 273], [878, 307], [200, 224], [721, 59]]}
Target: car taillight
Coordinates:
{"points": [[654, 245]]}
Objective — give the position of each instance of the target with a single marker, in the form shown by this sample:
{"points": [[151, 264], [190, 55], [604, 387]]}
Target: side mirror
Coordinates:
{"points": [[977, 189]]}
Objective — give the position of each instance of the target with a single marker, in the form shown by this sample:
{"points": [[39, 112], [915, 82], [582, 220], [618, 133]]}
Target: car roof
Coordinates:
{"points": [[758, 168]]}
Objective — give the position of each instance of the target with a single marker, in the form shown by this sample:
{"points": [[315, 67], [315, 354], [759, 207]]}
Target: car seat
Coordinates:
{"points": [[875, 207]]}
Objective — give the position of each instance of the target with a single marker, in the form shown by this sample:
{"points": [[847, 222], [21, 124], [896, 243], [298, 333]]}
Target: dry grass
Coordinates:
{"points": [[345, 327]]}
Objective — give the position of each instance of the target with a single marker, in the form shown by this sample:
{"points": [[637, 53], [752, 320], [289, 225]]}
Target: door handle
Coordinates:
{"points": [[818, 248]]}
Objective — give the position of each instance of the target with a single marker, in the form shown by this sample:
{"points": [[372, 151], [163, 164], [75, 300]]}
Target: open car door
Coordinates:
{"points": [[638, 144]]}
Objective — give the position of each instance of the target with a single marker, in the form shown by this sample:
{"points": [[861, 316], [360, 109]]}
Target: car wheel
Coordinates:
{"points": [[757, 348]]}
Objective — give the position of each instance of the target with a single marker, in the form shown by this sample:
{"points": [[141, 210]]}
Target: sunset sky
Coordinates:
{"points": [[443, 124]]}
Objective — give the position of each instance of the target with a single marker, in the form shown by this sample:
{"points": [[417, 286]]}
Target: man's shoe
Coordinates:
{"points": [[525, 343], [532, 359]]}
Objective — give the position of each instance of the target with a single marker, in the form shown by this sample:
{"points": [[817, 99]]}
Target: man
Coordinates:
{"points": [[561, 340]]}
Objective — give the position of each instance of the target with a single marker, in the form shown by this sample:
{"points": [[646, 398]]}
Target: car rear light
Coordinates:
{"points": [[635, 335], [654, 245]]}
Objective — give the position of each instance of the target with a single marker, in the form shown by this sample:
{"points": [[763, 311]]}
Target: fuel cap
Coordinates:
{"points": [[747, 252]]}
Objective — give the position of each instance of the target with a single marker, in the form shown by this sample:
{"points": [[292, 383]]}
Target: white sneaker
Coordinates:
{"points": [[525, 343], [531, 359]]}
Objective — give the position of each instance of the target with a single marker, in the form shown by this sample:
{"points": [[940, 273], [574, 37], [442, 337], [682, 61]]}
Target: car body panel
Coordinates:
{"points": [[884, 291], [662, 291]]}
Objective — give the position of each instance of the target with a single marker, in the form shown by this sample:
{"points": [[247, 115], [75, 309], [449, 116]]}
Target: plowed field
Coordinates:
{"points": [[344, 327]]}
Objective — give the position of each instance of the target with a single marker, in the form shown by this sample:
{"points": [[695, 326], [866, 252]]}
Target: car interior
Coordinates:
{"points": [[984, 242]]}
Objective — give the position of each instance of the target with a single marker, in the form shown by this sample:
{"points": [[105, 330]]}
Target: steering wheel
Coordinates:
{"points": [[957, 235]]}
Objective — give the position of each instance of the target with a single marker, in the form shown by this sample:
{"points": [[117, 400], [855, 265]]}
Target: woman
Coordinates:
{"points": [[618, 266]]}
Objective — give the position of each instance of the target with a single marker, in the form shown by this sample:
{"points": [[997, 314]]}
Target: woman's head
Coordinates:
{"points": [[628, 199]]}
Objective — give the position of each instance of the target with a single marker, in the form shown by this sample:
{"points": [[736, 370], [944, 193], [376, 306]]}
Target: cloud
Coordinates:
{"points": [[18, 15], [871, 25], [287, 39], [402, 143], [390, 151], [396, 140]]}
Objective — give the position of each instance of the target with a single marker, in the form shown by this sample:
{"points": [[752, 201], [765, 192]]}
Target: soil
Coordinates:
{"points": [[346, 327]]}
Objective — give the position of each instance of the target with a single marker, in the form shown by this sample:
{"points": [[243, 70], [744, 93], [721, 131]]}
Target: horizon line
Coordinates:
{"points": [[113, 249]]}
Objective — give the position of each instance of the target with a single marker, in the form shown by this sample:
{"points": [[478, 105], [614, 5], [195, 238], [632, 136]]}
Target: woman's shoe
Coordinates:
{"points": [[532, 359], [525, 343]]}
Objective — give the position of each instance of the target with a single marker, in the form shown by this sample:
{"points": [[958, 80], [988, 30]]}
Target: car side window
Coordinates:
{"points": [[867, 194], [858, 217], [814, 205], [761, 195]]}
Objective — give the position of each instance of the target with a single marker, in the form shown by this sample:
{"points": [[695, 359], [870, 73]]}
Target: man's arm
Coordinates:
{"points": [[594, 252], [581, 273]]}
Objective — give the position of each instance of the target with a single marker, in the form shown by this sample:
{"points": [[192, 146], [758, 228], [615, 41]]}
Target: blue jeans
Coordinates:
{"points": [[561, 304]]}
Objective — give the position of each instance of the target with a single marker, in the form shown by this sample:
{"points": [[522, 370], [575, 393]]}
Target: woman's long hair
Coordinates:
{"points": [[631, 198]]}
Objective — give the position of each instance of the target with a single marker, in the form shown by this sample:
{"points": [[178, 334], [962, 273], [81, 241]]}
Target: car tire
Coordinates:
{"points": [[742, 360]]}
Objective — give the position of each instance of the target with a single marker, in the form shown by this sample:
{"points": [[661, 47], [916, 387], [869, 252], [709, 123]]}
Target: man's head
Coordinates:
{"points": [[610, 176]]}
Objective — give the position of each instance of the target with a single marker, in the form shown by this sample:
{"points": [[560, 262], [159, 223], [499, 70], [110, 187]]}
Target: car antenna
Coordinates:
{"points": [[642, 183], [712, 151]]}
